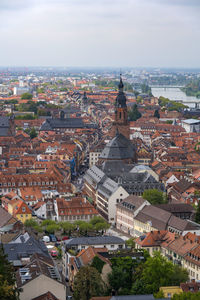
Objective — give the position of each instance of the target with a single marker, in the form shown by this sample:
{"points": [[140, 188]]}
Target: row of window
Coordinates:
{"points": [[82, 217], [30, 183]]}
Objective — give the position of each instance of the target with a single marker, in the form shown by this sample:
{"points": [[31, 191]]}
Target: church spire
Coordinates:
{"points": [[121, 98], [121, 85]]}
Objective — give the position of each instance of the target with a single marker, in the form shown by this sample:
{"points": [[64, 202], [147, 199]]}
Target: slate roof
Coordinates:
{"points": [[118, 172], [4, 217], [131, 203], [108, 187], [162, 219], [98, 240], [4, 121], [94, 174], [176, 207], [38, 265], [183, 225], [158, 217], [51, 124], [16, 251], [4, 126], [115, 167], [118, 148]]}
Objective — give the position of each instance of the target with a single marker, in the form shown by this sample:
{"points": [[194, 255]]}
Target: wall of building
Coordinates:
{"points": [[42, 285]]}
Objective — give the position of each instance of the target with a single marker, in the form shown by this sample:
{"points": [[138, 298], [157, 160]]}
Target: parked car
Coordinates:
{"points": [[54, 253], [46, 239], [52, 238], [65, 238]]}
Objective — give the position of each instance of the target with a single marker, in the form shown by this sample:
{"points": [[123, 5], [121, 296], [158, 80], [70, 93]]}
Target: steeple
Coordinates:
{"points": [[121, 85], [121, 98]]}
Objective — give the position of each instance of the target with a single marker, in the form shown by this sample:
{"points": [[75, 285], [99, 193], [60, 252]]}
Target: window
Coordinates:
{"points": [[23, 209], [112, 246]]}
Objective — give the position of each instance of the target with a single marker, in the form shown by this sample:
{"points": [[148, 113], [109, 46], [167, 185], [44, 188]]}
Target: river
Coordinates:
{"points": [[174, 94]]}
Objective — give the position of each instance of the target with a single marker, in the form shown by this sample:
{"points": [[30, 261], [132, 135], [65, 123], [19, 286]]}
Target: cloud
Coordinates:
{"points": [[100, 32]]}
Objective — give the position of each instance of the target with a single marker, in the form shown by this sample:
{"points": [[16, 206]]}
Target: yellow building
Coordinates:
{"points": [[169, 291], [19, 209]]}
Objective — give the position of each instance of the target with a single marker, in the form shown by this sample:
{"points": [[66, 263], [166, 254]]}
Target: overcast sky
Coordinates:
{"points": [[116, 33]]}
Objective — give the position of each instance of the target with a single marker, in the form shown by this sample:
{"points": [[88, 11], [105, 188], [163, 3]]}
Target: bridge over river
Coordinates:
{"points": [[176, 94]]}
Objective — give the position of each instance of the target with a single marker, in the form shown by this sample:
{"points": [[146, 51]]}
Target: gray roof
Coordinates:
{"points": [[98, 240], [94, 174], [118, 148], [132, 203], [17, 251], [116, 167], [4, 126], [140, 168], [191, 121], [4, 217], [177, 207], [4, 121], [162, 219], [183, 225], [119, 172], [159, 218], [51, 124], [108, 187]]}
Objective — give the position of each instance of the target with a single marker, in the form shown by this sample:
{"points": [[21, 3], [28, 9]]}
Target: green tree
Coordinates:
{"points": [[118, 279], [96, 219], [8, 290], [158, 271], [67, 227], [30, 223], [87, 284], [26, 96], [156, 114], [154, 196], [98, 264], [134, 113], [98, 223], [33, 133], [179, 275], [186, 296], [130, 243], [197, 216], [52, 228], [159, 295]]}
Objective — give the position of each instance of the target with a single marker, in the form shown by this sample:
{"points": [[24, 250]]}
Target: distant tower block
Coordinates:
{"points": [[121, 122]]}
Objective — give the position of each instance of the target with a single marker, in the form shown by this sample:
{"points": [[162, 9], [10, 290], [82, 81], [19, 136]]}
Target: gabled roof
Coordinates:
{"points": [[118, 148], [99, 240], [46, 296], [16, 251], [155, 238], [5, 217], [39, 265]]}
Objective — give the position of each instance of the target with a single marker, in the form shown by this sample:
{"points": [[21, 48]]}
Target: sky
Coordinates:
{"points": [[100, 33]]}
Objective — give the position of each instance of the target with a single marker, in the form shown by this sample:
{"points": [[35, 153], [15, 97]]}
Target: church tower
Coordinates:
{"points": [[121, 123]]}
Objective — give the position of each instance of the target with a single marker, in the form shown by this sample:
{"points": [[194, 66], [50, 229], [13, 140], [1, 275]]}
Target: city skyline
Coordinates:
{"points": [[128, 33]]}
